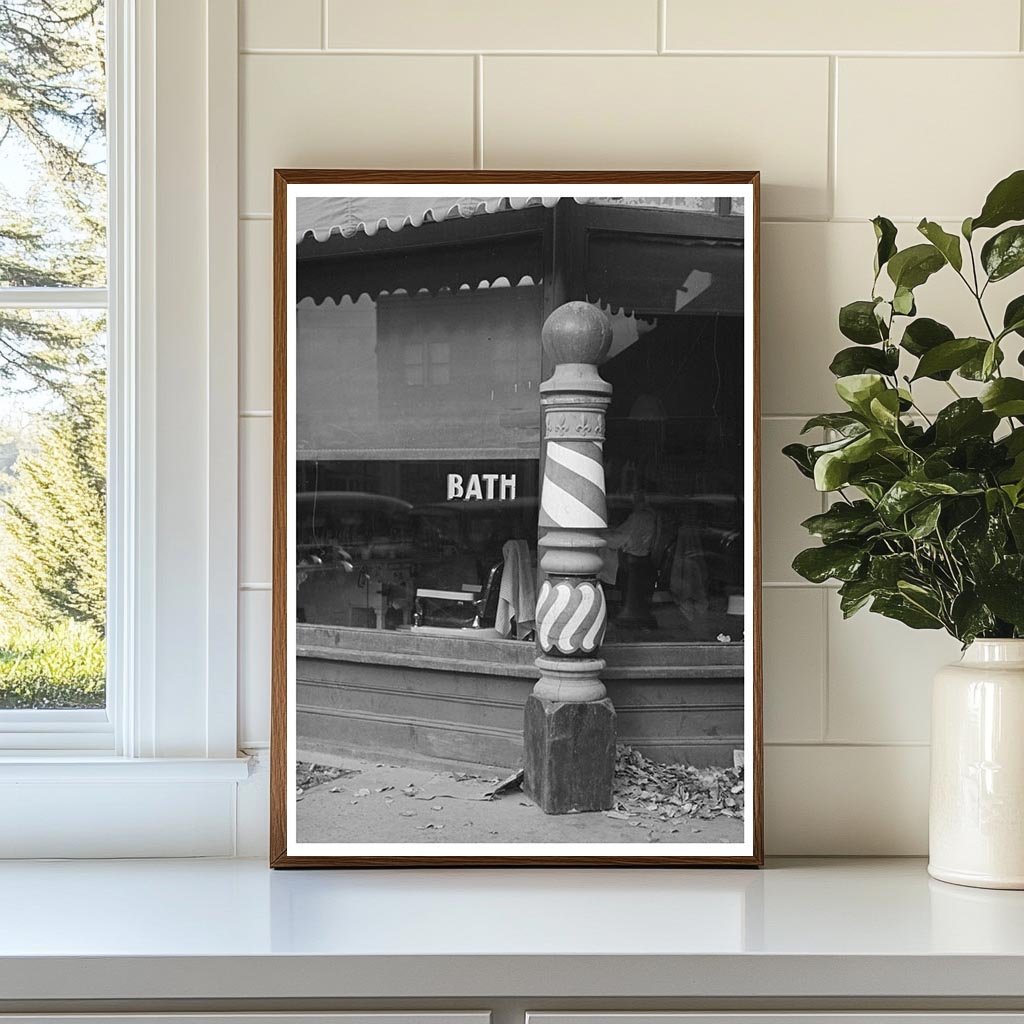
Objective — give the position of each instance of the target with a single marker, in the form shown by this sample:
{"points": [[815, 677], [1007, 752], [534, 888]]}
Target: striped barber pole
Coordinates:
{"points": [[572, 495], [571, 616]]}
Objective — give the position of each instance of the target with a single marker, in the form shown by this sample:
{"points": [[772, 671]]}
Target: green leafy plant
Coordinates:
{"points": [[927, 521]]}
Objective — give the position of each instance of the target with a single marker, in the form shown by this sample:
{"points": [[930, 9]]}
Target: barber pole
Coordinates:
{"points": [[569, 731]]}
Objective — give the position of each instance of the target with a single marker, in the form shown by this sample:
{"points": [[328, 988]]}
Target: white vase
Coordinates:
{"points": [[976, 817]]}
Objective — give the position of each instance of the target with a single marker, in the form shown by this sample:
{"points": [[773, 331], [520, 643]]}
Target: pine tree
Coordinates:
{"points": [[53, 521], [52, 123]]}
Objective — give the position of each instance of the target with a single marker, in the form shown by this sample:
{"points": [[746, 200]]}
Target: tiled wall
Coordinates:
{"points": [[848, 110]]}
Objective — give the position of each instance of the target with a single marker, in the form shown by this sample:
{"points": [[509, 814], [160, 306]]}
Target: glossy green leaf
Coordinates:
{"points": [[841, 561], [924, 334], [903, 302], [1003, 254], [842, 521], [831, 471], [990, 360], [841, 421], [924, 519], [857, 321], [1005, 597], [966, 417], [854, 594], [799, 455], [850, 361], [1004, 397], [911, 267], [858, 389], [1005, 202], [949, 356], [974, 368], [971, 617], [947, 244], [885, 409], [1013, 317], [904, 495], [885, 239]]}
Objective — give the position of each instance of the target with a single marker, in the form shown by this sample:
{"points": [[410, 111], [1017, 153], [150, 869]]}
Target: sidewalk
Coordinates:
{"points": [[368, 801]]}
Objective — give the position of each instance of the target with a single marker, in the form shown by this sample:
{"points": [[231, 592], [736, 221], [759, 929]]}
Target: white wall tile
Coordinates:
{"points": [[880, 676], [254, 666], [351, 111], [846, 801], [961, 130], [684, 113], [793, 632], [787, 499], [878, 25], [254, 504], [262, 26], [471, 25], [255, 323]]}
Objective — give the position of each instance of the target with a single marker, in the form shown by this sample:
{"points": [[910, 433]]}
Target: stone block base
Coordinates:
{"points": [[569, 754]]}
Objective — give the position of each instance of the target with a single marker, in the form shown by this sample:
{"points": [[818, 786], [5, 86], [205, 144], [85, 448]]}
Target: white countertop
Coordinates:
{"points": [[234, 929]]}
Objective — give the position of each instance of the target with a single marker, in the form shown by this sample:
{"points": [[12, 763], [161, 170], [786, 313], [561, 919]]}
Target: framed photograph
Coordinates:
{"points": [[516, 608]]}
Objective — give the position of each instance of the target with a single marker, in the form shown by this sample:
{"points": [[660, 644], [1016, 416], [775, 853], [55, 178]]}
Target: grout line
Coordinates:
{"points": [[323, 24], [824, 681], [254, 586], [255, 414], [258, 51], [255, 216], [831, 172], [851, 744], [796, 585], [341, 51], [663, 26], [478, 111], [1020, 21]]}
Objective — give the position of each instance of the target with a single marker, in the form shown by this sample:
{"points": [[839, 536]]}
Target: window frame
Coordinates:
{"points": [[165, 779], [90, 730]]}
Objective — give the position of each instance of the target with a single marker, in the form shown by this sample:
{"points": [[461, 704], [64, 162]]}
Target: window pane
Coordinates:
{"points": [[413, 544], [442, 372], [674, 454], [52, 509], [52, 143]]}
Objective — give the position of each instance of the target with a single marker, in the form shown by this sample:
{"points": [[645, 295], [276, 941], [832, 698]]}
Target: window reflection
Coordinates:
{"points": [[674, 474], [427, 544]]}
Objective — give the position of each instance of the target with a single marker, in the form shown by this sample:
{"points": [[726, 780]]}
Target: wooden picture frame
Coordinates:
{"points": [[722, 218]]}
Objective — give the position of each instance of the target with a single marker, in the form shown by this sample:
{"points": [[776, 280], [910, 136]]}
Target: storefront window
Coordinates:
{"points": [[674, 476], [418, 460], [418, 434]]}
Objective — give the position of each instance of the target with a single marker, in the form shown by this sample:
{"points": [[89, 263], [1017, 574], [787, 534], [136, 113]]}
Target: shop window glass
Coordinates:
{"points": [[417, 475]]}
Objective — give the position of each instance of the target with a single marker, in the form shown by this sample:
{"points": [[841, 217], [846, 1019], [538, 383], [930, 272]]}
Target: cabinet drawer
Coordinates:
{"points": [[789, 1017], [360, 1017]]}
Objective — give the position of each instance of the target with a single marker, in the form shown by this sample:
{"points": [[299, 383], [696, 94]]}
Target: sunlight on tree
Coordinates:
{"points": [[52, 366]]}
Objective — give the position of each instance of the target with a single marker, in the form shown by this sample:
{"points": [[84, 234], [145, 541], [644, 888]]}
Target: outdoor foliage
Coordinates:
{"points": [[52, 543], [52, 380], [927, 525], [60, 667]]}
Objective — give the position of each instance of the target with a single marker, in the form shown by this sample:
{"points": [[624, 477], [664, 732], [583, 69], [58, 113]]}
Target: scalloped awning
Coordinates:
{"points": [[325, 216]]}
